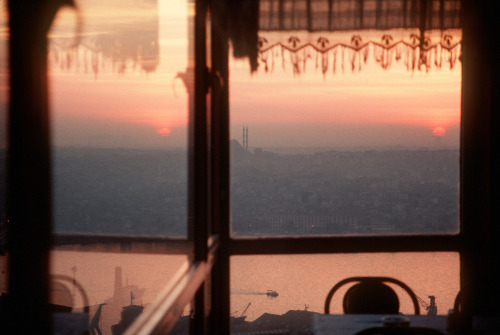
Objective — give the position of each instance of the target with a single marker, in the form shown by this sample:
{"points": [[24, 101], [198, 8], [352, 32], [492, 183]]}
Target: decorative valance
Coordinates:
{"points": [[341, 34]]}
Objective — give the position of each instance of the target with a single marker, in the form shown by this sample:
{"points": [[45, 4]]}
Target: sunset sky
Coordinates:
{"points": [[374, 107], [132, 107]]}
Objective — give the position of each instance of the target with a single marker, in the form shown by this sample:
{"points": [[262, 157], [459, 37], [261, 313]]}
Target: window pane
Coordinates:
{"points": [[356, 151], [119, 73], [302, 282], [120, 76]]}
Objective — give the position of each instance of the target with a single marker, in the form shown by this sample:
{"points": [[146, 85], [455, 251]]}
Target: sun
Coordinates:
{"points": [[438, 131], [164, 131]]}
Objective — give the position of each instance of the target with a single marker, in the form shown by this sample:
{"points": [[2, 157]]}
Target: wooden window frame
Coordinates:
{"points": [[205, 282]]}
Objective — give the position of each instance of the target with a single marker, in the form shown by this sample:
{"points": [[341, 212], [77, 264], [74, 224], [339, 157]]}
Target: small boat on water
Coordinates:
{"points": [[271, 293]]}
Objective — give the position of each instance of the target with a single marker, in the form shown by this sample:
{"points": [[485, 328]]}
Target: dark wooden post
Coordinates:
{"points": [[29, 182], [198, 165], [220, 170], [480, 151]]}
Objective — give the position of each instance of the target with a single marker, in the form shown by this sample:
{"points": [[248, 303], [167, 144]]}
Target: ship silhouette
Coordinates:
{"points": [[128, 315]]}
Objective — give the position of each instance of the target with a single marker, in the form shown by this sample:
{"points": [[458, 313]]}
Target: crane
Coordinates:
{"points": [[241, 318], [245, 310], [431, 307]]}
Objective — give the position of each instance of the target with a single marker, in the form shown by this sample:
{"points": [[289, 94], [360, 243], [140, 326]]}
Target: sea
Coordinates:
{"points": [[302, 282]]}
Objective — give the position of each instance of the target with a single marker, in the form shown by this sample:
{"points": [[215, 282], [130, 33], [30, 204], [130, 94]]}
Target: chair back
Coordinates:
{"points": [[479, 299], [371, 295], [61, 298]]}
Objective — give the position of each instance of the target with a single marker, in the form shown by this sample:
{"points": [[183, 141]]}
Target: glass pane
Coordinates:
{"points": [[114, 287], [364, 150], [119, 78], [283, 283]]}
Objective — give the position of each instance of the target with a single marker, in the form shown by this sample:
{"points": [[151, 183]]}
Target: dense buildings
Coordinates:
{"points": [[324, 192]]}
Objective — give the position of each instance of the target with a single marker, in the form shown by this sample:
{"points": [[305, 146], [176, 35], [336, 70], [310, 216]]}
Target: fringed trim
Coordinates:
{"points": [[414, 53]]}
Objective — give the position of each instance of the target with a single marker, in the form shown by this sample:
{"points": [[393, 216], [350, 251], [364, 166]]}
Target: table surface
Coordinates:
{"points": [[349, 324]]}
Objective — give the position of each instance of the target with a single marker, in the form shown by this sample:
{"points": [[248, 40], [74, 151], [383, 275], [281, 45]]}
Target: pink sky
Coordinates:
{"points": [[387, 107], [129, 109], [137, 109]]}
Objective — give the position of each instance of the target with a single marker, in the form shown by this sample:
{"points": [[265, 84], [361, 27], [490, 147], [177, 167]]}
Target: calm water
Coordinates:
{"points": [[300, 280]]}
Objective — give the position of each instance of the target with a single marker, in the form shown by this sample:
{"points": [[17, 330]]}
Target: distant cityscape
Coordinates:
{"points": [[120, 191], [344, 192], [144, 192]]}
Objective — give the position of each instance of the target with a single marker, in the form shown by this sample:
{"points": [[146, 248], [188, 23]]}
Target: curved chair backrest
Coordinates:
{"points": [[457, 305], [61, 299], [58, 288], [370, 295], [479, 297]]}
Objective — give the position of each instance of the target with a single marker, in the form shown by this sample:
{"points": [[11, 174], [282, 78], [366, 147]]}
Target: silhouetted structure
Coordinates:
{"points": [[432, 309], [94, 323], [245, 137], [128, 315], [371, 298], [371, 295]]}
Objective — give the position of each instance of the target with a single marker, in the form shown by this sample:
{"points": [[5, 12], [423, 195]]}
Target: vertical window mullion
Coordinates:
{"points": [[220, 174], [198, 165], [479, 188]]}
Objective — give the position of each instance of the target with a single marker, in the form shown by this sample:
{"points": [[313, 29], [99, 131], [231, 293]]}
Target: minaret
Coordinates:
{"points": [[243, 139], [246, 139]]}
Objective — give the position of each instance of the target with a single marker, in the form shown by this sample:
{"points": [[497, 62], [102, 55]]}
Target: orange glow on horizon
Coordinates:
{"points": [[164, 131], [439, 131], [372, 96]]}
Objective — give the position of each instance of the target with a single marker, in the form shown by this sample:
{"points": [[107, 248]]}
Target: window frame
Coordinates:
{"points": [[206, 281]]}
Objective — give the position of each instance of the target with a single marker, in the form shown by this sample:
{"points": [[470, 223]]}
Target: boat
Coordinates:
{"points": [[241, 318], [271, 293], [128, 315]]}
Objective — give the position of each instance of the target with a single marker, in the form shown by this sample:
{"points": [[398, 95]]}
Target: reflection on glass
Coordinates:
{"points": [[119, 98], [104, 33], [354, 151], [290, 283], [113, 287], [119, 102]]}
